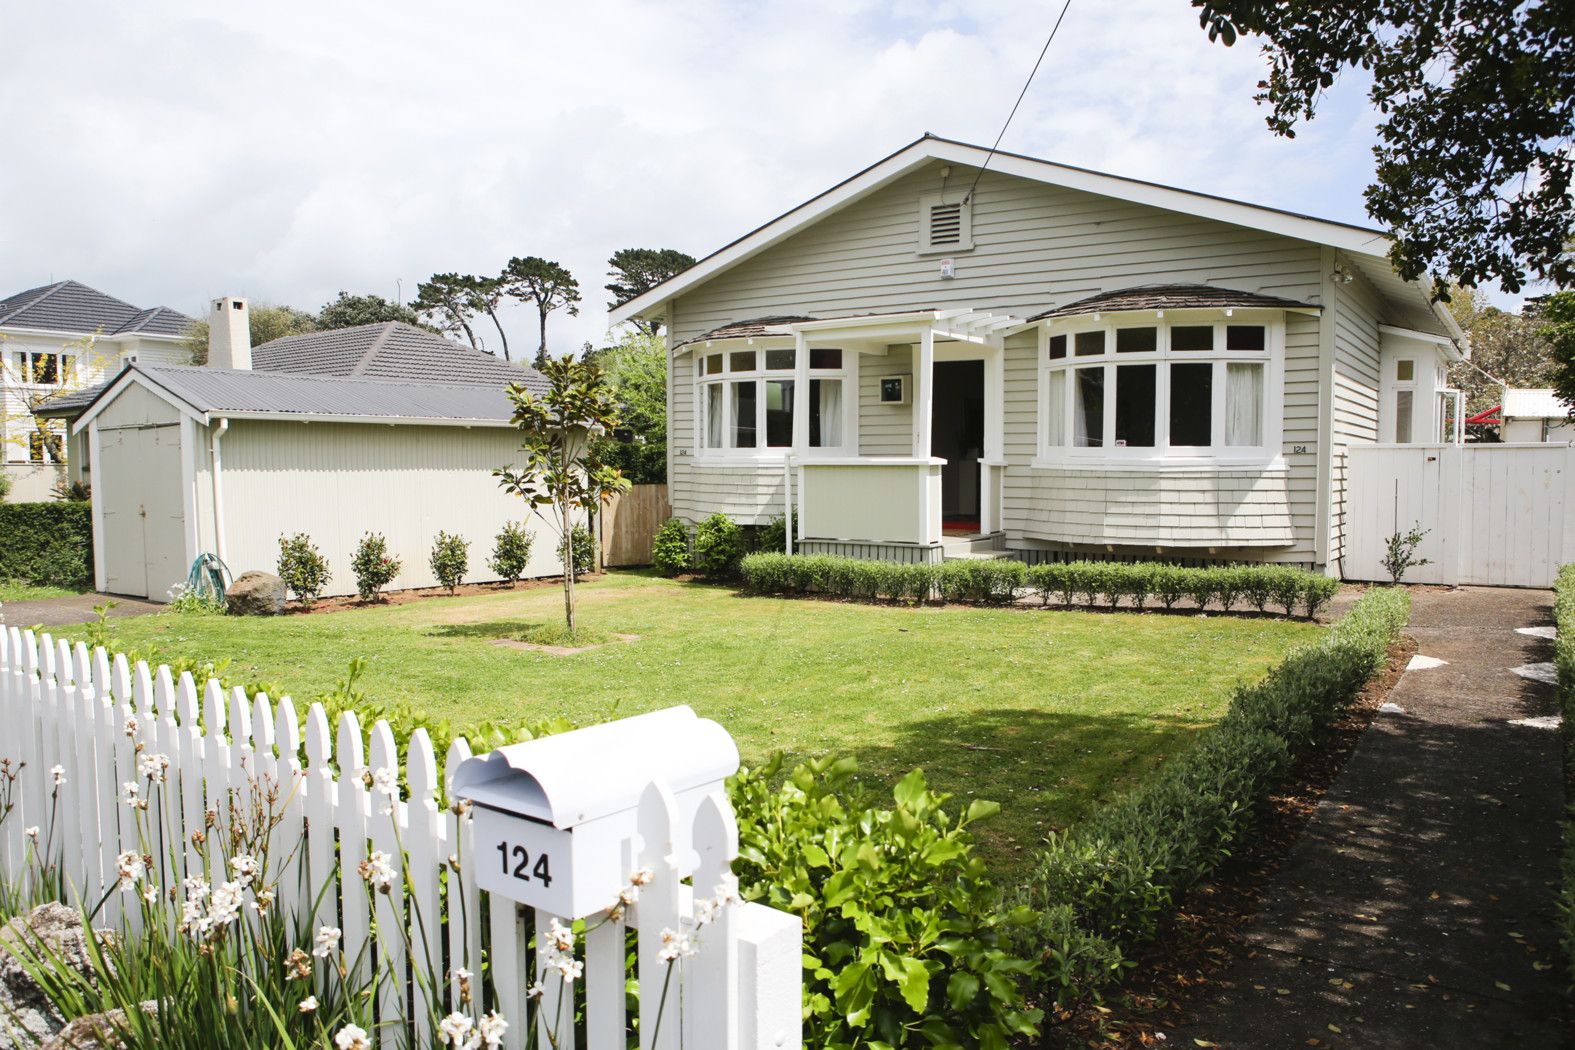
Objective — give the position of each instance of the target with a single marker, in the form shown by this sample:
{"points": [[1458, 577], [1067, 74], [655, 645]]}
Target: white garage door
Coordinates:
{"points": [[137, 483]]}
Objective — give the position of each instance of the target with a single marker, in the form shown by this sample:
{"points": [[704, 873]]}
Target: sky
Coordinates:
{"points": [[170, 152]]}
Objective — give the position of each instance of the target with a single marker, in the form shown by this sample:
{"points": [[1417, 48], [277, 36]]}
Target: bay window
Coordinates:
{"points": [[1193, 390], [747, 399]]}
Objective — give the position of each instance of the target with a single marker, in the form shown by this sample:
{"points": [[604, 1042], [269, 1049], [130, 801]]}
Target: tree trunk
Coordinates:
{"points": [[568, 569], [541, 351], [501, 334]]}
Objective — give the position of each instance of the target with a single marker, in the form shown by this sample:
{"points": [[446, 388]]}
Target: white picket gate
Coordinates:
{"points": [[91, 714], [1500, 515]]}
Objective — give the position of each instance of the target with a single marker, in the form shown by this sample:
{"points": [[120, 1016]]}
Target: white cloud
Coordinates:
{"points": [[169, 152]]}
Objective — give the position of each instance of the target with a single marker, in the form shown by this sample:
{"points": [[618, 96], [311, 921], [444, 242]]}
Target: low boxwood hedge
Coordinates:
{"points": [[1137, 585], [47, 543]]}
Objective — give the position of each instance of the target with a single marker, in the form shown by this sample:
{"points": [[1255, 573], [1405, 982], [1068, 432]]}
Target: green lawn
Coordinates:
{"points": [[15, 591], [1046, 712]]}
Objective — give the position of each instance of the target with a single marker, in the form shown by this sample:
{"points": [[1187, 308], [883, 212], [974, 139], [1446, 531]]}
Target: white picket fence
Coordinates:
{"points": [[92, 713]]}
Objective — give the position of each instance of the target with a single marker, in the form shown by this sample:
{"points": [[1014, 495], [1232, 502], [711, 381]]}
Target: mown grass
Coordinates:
{"points": [[1047, 712], [17, 591]]}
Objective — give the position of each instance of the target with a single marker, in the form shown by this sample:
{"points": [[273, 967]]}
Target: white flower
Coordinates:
{"points": [[726, 895], [378, 870], [491, 1029], [628, 895], [131, 726], [327, 941], [129, 792], [568, 967], [150, 894], [308, 1005], [153, 766], [561, 936], [57, 774], [385, 781], [351, 1037], [536, 991], [196, 887], [225, 907], [130, 868], [642, 877], [705, 911], [453, 1029], [32, 832], [676, 946], [245, 867]]}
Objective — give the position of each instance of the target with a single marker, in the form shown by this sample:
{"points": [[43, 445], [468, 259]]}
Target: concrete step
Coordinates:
{"points": [[980, 547]]}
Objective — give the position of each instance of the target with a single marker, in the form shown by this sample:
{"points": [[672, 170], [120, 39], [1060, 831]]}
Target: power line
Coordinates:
{"points": [[1020, 96]]}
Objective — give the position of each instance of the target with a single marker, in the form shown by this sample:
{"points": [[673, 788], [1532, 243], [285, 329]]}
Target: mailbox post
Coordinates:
{"points": [[554, 818]]}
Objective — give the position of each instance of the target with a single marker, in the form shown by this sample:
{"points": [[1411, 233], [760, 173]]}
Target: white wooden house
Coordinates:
{"points": [[1045, 360]]}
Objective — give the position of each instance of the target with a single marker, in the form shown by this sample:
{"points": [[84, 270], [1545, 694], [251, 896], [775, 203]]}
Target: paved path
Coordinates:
{"points": [[1417, 908], [76, 608]]}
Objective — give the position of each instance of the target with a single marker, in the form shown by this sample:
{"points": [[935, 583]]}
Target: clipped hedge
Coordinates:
{"points": [[47, 543], [1564, 661], [1108, 884], [1138, 585]]}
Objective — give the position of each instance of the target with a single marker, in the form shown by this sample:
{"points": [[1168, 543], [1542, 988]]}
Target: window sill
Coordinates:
{"points": [[1261, 464]]}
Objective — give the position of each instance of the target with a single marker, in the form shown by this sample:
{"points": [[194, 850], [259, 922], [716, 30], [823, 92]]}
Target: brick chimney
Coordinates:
{"points": [[229, 334]]}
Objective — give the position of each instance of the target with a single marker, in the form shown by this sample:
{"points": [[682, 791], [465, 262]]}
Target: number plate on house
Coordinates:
{"points": [[524, 860]]}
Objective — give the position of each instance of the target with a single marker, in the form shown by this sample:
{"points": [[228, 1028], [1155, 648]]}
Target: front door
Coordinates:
{"points": [[957, 436]]}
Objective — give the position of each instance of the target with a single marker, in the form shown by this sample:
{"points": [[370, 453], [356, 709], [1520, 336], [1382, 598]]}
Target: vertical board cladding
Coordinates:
{"points": [[338, 481], [1035, 246]]}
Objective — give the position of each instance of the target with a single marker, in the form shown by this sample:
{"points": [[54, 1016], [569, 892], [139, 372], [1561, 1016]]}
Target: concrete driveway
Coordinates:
{"points": [[76, 608]]}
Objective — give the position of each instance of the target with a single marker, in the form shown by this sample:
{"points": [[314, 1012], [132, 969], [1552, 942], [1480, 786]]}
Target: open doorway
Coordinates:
{"points": [[957, 436]]}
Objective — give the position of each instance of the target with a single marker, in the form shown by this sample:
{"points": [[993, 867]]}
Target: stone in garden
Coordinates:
{"points": [[255, 594], [53, 930], [95, 1031]]}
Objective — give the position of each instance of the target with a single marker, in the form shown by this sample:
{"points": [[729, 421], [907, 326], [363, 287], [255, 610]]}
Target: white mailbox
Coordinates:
{"points": [[552, 816]]}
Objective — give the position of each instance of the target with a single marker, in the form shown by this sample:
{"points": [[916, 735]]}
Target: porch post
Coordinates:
{"points": [[800, 393], [923, 392], [994, 439]]}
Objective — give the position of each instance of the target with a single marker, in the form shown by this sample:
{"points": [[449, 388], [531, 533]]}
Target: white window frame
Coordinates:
{"points": [[21, 367], [761, 453], [1162, 455]]}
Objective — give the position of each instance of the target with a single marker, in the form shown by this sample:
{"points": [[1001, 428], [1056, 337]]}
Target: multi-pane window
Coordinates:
{"points": [[1181, 390], [748, 398], [40, 367]]}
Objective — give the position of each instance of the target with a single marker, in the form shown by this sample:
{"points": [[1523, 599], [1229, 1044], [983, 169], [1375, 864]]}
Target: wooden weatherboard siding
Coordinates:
{"points": [[1037, 246]]}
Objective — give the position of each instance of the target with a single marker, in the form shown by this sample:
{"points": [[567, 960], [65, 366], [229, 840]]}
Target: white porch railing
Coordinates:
{"points": [[871, 499], [79, 721]]}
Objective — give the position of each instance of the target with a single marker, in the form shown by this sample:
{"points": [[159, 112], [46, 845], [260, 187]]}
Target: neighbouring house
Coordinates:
{"points": [[1043, 360], [382, 428], [59, 338], [1536, 415]]}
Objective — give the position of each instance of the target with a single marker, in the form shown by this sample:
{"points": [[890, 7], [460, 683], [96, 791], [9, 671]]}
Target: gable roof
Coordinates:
{"points": [[389, 350], [70, 306], [1358, 240], [203, 392], [1172, 297]]}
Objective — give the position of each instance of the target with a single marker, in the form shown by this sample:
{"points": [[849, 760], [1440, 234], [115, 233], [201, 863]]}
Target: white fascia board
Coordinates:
{"points": [[1356, 239], [125, 379], [413, 421]]}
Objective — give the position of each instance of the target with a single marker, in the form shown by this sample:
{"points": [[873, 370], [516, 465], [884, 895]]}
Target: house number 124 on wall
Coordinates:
{"points": [[517, 863]]}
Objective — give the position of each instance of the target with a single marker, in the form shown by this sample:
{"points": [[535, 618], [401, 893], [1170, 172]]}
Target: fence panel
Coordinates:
{"points": [[629, 523], [718, 975]]}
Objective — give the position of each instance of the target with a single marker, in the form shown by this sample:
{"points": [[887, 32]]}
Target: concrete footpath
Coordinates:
{"points": [[1417, 909], [74, 608]]}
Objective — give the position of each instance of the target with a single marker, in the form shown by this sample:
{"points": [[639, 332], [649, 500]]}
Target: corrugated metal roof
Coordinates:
{"points": [[216, 391], [70, 306], [1534, 404], [389, 350]]}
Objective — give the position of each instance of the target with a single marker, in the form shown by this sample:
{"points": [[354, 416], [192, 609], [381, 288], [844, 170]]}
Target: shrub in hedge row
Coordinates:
{"points": [[670, 548], [1564, 661], [1123, 869], [719, 544], [47, 543]]}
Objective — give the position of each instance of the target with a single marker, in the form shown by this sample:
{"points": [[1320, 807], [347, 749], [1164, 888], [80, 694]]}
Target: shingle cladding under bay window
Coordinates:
{"points": [[1172, 297]]}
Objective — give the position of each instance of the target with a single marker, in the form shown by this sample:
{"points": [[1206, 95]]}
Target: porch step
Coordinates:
{"points": [[977, 548]]}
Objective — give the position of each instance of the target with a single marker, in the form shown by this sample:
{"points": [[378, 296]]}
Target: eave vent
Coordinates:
{"points": [[946, 224]]}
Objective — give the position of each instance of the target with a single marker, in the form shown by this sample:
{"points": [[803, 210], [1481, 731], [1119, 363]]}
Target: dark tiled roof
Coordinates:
{"points": [[70, 404], [1171, 297], [390, 350], [221, 390], [69, 306], [753, 326]]}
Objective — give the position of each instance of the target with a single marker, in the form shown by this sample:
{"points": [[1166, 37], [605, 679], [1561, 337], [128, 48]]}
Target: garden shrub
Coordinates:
{"points": [[302, 567], [1317, 592], [772, 536], [1171, 584], [583, 546], [670, 548], [1123, 870], [719, 546], [48, 544], [1086, 580], [1564, 662], [1285, 589], [1257, 588], [1202, 587], [905, 940], [373, 567], [511, 552], [450, 560]]}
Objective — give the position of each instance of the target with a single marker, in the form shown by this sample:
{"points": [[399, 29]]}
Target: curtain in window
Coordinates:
{"points": [[1244, 404], [713, 416], [1088, 414], [826, 423], [1404, 403], [1055, 413]]}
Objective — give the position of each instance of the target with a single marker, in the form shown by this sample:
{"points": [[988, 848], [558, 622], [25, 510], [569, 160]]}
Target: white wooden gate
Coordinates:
{"points": [[1495, 514], [82, 724]]}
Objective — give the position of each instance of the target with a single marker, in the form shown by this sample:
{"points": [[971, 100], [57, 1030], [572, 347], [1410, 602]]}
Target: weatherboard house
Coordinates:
{"points": [[940, 354]]}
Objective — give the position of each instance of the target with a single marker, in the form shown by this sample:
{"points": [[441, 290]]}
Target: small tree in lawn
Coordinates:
{"points": [[563, 470]]}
